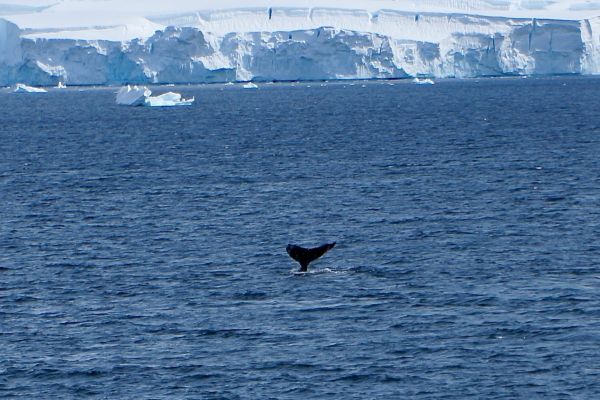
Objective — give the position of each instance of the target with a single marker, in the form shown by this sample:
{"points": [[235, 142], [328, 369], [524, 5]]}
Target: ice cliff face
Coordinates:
{"points": [[384, 45], [9, 42]]}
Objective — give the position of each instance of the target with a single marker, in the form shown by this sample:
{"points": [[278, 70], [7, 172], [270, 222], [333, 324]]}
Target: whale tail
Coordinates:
{"points": [[306, 256]]}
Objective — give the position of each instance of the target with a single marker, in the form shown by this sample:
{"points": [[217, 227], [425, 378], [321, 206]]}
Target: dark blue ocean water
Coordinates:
{"points": [[142, 251]]}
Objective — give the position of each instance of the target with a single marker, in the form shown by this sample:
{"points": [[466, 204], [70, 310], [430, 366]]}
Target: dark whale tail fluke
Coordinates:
{"points": [[306, 256]]}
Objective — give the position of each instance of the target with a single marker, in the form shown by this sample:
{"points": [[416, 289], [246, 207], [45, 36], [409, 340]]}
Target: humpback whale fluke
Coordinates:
{"points": [[306, 256]]}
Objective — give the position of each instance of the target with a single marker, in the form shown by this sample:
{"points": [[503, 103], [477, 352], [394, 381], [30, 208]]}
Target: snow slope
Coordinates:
{"points": [[155, 41]]}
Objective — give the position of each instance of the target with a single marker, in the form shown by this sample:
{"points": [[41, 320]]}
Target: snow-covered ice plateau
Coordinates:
{"points": [[93, 42]]}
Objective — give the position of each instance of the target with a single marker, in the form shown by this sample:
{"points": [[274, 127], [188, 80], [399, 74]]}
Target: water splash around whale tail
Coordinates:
{"points": [[306, 256]]}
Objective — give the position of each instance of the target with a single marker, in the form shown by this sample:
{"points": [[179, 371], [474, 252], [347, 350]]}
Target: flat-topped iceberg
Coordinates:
{"points": [[22, 88], [168, 99], [142, 96]]}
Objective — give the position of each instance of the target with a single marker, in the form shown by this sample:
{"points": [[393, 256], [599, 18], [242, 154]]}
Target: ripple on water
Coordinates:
{"points": [[143, 251]]}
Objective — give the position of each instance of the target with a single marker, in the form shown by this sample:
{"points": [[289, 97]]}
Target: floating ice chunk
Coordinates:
{"points": [[168, 99], [61, 85], [21, 88], [133, 96], [142, 96], [423, 81], [250, 85]]}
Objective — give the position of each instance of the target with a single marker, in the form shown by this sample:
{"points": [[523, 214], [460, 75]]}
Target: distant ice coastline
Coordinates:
{"points": [[285, 43], [164, 87]]}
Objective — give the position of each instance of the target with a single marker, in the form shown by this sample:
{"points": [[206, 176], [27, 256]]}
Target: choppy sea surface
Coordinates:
{"points": [[142, 251]]}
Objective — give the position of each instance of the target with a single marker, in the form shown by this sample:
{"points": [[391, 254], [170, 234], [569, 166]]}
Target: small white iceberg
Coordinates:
{"points": [[21, 88], [425, 81], [142, 96], [250, 85], [61, 85], [168, 99]]}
